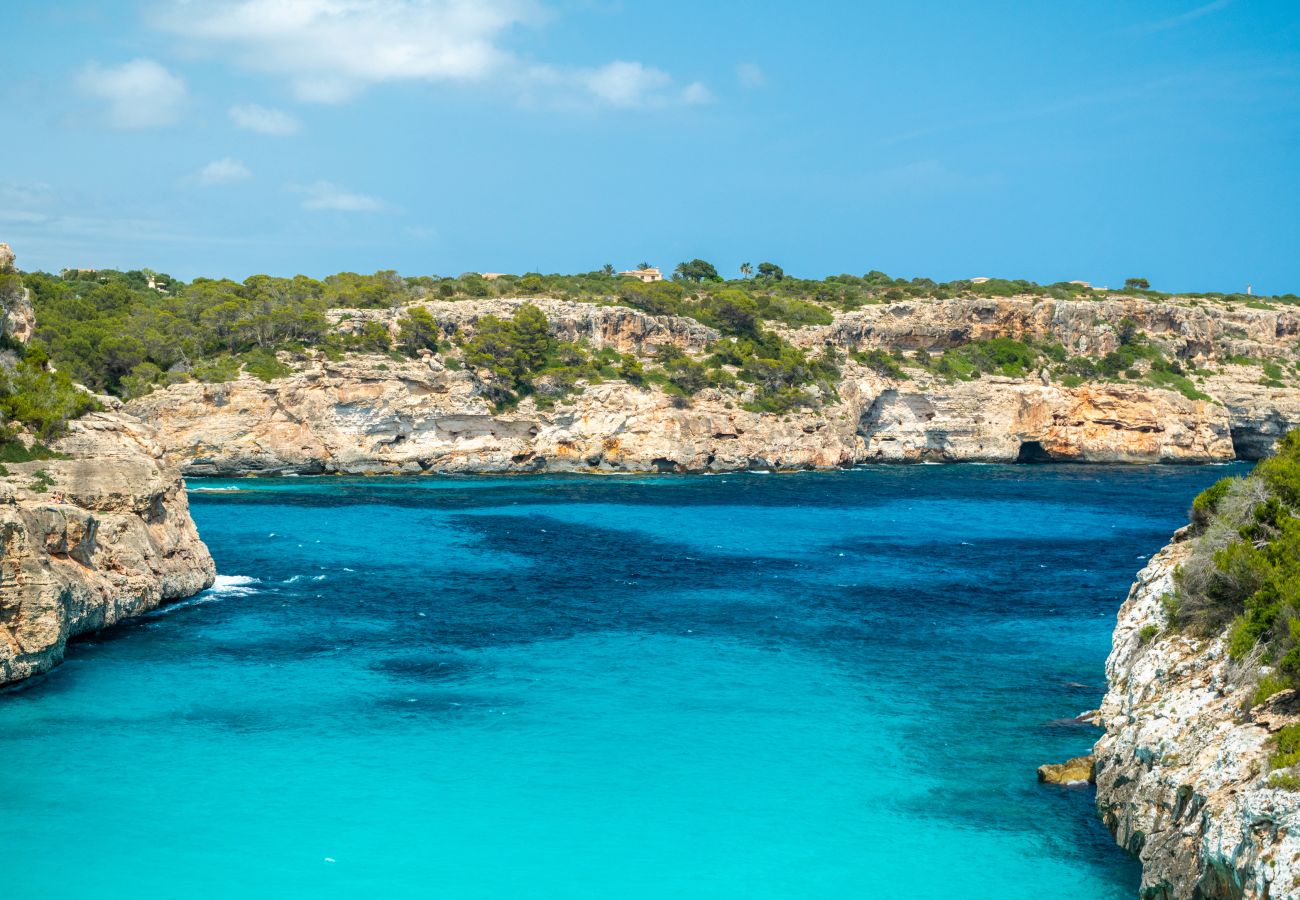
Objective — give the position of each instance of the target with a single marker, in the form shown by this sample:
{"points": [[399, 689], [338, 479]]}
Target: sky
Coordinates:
{"points": [[937, 138]]}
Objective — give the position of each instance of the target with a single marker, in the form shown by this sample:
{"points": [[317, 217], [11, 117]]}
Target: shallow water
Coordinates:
{"points": [[822, 685]]}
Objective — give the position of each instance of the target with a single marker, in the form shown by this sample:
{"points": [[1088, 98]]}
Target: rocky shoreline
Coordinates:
{"points": [[1182, 769], [90, 540]]}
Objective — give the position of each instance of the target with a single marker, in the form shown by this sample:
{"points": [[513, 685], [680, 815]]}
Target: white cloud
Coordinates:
{"points": [[224, 171], [138, 94], [626, 83], [331, 50], [264, 120], [325, 195], [750, 75], [696, 92]]}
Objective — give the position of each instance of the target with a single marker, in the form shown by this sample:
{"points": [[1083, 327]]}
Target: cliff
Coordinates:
{"points": [[98, 534], [90, 541], [375, 413], [1182, 770], [1190, 329]]}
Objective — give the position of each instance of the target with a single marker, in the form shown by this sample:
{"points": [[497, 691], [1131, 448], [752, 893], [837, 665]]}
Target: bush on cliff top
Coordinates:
{"points": [[1244, 569]]}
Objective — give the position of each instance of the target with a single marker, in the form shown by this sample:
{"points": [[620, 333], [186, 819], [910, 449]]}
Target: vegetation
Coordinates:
{"points": [[1244, 570], [126, 333]]}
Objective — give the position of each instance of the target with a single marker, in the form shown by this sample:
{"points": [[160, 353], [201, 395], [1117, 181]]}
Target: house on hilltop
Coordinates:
{"points": [[646, 275]]}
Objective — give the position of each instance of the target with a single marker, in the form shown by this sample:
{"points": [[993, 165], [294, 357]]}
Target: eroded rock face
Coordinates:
{"points": [[16, 317], [372, 414], [1202, 332], [108, 537], [1182, 771], [618, 327], [1010, 420]]}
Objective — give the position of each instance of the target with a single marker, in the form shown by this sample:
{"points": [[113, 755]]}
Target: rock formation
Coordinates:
{"points": [[1181, 772], [370, 413], [91, 540], [374, 414], [1187, 328], [16, 318]]}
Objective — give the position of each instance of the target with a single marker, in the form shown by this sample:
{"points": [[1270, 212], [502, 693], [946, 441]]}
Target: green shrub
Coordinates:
{"points": [[1207, 501], [41, 400], [879, 362], [15, 451], [1286, 747], [264, 364], [1147, 633], [1269, 685]]}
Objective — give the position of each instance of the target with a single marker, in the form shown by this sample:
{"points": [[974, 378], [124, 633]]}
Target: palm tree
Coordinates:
{"points": [[607, 269], [746, 269], [643, 266]]}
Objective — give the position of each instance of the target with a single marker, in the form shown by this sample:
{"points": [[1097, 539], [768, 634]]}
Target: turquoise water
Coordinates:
{"points": [[822, 685]]}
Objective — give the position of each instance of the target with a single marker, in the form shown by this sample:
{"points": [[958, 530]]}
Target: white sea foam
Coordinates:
{"points": [[224, 586], [216, 490], [292, 578], [233, 586]]}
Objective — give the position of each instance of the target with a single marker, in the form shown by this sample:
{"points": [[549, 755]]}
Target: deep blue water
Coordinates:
{"points": [[819, 685]]}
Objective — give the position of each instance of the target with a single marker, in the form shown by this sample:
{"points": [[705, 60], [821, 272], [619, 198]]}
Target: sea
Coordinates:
{"points": [[822, 685]]}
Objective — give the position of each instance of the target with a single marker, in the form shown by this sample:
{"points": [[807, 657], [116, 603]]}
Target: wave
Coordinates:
{"points": [[216, 490], [233, 586], [223, 586]]}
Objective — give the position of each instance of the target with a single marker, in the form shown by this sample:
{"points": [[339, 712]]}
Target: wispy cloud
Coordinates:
{"points": [[1180, 19], [326, 195], [224, 171], [749, 75], [135, 95], [332, 50], [275, 122]]}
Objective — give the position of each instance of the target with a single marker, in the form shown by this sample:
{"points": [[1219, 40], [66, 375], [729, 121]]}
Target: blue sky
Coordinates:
{"points": [[936, 137]]}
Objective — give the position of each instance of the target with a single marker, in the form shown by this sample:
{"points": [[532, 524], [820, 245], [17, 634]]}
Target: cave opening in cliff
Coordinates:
{"points": [[1033, 452]]}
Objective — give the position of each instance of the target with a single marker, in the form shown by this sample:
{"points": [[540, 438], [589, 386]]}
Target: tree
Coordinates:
{"points": [[643, 266], [1137, 284], [735, 312], [514, 349], [607, 269], [770, 270], [697, 270], [417, 331], [746, 270]]}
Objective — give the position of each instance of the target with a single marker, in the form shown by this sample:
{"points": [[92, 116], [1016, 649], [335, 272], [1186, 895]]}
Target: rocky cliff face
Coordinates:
{"points": [[1182, 771], [16, 317], [617, 327], [365, 414], [90, 541], [1193, 330], [376, 414]]}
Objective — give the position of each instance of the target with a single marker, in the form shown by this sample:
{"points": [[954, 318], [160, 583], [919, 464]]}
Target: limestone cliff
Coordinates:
{"points": [[1187, 328], [1182, 771], [373, 414], [379, 414], [91, 540]]}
